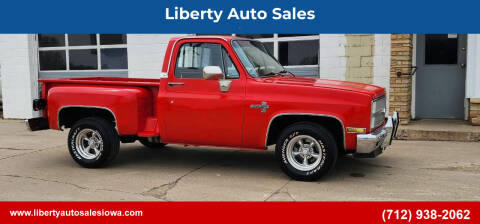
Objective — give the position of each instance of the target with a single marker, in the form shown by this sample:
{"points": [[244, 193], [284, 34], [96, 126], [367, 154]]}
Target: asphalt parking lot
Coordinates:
{"points": [[37, 166]]}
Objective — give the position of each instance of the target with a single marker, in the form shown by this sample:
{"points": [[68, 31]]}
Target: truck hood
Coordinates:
{"points": [[374, 91]]}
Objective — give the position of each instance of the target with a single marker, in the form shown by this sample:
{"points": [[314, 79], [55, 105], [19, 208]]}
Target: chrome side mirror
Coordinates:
{"points": [[224, 85], [215, 73], [212, 73]]}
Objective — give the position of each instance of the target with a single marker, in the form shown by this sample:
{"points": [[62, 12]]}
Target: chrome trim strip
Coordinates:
{"points": [[306, 114], [83, 106], [175, 83]]}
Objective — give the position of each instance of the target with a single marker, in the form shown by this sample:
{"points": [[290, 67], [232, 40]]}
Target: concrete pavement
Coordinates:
{"points": [[37, 166]]}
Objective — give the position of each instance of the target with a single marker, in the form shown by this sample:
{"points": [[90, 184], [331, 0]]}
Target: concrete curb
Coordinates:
{"points": [[429, 135]]}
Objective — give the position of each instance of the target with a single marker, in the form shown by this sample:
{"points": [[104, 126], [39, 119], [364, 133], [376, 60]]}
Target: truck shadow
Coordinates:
{"points": [[258, 163]]}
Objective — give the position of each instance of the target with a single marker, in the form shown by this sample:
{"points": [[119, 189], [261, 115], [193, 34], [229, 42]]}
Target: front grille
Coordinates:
{"points": [[378, 112]]}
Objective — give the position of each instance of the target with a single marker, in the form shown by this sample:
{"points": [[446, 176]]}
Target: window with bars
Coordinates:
{"points": [[82, 52]]}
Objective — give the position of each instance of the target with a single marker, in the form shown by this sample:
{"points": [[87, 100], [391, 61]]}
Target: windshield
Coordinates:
{"points": [[256, 58]]}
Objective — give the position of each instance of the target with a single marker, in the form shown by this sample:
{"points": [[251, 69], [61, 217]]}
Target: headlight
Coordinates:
{"points": [[378, 112]]}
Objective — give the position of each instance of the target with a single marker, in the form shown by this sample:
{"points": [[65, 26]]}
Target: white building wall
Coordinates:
{"points": [[333, 63], [18, 66], [145, 54], [473, 67], [333, 58], [381, 62]]}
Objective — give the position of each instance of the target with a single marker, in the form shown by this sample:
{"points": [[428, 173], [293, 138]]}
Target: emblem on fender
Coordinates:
{"points": [[264, 106]]}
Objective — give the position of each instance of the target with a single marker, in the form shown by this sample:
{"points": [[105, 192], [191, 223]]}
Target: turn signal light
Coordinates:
{"points": [[357, 130]]}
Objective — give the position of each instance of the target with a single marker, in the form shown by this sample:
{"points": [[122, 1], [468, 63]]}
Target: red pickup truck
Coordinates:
{"points": [[220, 91]]}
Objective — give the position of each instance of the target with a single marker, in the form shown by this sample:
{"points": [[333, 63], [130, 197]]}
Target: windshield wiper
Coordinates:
{"points": [[282, 73], [285, 71], [270, 74]]}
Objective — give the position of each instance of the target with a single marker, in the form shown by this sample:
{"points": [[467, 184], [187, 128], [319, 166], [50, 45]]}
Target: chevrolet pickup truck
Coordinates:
{"points": [[220, 91]]}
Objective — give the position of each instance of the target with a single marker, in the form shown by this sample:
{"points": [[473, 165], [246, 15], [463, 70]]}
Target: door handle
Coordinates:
{"points": [[463, 65], [175, 83]]}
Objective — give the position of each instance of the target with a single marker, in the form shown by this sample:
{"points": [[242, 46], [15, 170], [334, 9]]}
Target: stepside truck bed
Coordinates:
{"points": [[130, 102]]}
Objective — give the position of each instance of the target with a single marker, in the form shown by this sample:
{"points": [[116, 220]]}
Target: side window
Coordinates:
{"points": [[192, 57], [230, 70]]}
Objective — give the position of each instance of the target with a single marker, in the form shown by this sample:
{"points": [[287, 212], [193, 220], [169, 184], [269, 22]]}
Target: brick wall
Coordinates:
{"points": [[475, 111], [401, 87]]}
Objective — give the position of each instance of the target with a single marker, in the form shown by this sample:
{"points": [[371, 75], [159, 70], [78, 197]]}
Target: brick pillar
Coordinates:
{"points": [[474, 111], [400, 98]]}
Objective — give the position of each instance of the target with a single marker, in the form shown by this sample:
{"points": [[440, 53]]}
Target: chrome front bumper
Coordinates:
{"points": [[370, 145]]}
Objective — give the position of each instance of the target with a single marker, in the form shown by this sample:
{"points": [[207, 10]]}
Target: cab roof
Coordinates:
{"points": [[225, 37]]}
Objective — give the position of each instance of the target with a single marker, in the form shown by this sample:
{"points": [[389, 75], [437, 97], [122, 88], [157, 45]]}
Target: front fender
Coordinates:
{"points": [[337, 117]]}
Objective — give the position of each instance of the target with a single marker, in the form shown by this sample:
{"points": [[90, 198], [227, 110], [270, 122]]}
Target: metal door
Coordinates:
{"points": [[440, 76]]}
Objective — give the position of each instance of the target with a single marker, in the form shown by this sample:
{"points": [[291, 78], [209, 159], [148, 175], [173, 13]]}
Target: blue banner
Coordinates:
{"points": [[246, 16]]}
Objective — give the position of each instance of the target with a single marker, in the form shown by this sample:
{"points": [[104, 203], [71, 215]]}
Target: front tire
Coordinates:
{"points": [[93, 142], [306, 151]]}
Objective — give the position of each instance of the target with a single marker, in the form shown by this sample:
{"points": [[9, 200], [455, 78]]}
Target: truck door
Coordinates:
{"points": [[197, 112]]}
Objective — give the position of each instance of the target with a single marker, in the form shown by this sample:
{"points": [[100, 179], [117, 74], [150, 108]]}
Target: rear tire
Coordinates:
{"points": [[93, 142], [306, 151], [151, 144]]}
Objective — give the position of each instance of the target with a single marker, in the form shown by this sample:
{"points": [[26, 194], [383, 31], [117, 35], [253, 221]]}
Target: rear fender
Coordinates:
{"points": [[129, 106]]}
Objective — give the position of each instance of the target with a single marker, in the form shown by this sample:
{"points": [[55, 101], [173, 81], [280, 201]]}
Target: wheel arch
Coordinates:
{"points": [[280, 121], [68, 115]]}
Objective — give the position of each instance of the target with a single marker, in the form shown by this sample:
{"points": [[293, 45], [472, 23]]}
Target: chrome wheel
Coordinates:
{"points": [[304, 152], [89, 143]]}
